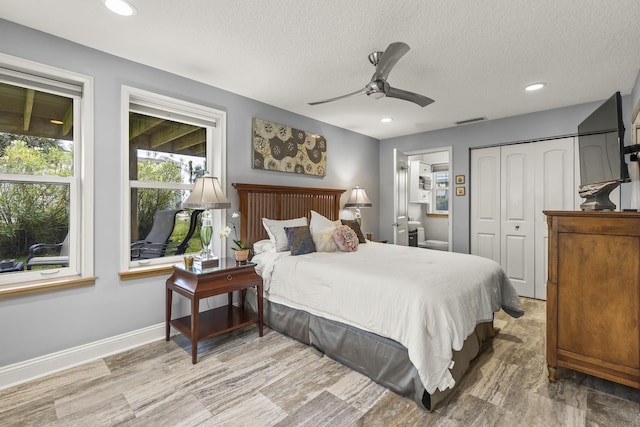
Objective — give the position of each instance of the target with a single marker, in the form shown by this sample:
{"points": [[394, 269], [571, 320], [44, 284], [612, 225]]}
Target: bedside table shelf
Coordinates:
{"points": [[216, 322]]}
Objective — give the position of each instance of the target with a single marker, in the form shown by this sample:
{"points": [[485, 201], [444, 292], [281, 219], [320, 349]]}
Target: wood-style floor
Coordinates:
{"points": [[243, 380]]}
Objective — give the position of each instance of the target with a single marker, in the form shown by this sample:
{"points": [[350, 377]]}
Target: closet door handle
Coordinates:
{"points": [[517, 227]]}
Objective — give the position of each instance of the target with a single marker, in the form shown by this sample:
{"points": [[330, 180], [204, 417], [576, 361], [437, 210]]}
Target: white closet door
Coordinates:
{"points": [[555, 190], [517, 211], [511, 186], [485, 203]]}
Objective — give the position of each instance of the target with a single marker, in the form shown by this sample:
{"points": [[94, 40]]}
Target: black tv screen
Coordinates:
{"points": [[601, 144]]}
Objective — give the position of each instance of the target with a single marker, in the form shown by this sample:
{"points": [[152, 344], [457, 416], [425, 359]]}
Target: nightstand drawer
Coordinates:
{"points": [[235, 276], [231, 281]]}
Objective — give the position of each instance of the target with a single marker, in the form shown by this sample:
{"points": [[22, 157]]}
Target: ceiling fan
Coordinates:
{"points": [[378, 86]]}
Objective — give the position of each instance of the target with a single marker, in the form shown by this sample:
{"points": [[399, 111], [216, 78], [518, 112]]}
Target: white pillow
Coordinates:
{"points": [[320, 222], [263, 246], [322, 229], [275, 230]]}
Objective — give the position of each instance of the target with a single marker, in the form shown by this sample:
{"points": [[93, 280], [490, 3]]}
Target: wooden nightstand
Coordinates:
{"points": [[196, 284]]}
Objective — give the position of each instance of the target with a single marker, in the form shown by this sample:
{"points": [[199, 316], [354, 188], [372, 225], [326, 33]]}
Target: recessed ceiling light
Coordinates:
{"points": [[535, 86], [121, 7], [386, 120], [56, 122]]}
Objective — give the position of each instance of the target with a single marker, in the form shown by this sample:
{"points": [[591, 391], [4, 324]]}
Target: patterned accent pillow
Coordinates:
{"points": [[275, 230], [300, 241], [355, 227], [346, 238]]}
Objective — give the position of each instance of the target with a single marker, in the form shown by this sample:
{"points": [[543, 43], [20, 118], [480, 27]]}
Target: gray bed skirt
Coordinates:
{"points": [[383, 360]]}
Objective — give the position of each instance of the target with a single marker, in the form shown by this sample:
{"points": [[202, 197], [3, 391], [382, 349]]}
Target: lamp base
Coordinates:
{"points": [[205, 264]]}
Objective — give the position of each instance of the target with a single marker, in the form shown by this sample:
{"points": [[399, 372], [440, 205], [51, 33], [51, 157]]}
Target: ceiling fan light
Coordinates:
{"points": [[121, 7], [535, 86], [386, 120]]}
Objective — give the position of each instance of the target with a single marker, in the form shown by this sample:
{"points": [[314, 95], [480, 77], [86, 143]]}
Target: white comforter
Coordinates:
{"points": [[429, 301]]}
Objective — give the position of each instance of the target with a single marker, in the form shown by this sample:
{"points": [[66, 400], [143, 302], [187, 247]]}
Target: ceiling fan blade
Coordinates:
{"points": [[421, 100], [358, 92], [390, 57]]}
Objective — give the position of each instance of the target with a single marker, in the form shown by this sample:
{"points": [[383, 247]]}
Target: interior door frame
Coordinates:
{"points": [[400, 226], [418, 152]]}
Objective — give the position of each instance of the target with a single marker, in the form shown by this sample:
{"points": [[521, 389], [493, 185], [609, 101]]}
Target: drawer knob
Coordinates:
{"points": [[229, 277]]}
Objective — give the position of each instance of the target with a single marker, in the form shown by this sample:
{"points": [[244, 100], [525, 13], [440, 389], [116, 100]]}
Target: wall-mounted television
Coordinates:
{"points": [[602, 154]]}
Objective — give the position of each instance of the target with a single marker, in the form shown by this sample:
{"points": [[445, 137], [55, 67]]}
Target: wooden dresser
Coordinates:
{"points": [[593, 294]]}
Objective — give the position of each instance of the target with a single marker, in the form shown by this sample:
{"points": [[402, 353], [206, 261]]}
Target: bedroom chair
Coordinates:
{"points": [[156, 244], [60, 255], [182, 247]]}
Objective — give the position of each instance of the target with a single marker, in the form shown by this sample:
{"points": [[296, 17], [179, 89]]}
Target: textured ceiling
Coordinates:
{"points": [[473, 58]]}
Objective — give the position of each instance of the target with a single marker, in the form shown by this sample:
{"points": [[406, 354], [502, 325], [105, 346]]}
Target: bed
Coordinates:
{"points": [[411, 319]]}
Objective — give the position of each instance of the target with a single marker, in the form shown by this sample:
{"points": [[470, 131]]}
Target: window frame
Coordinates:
{"points": [[44, 78], [147, 102], [436, 188]]}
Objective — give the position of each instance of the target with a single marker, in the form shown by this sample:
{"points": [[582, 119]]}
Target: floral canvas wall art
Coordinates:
{"points": [[282, 148]]}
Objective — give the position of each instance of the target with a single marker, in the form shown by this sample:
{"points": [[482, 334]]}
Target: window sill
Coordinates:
{"points": [[438, 215], [147, 272], [40, 287]]}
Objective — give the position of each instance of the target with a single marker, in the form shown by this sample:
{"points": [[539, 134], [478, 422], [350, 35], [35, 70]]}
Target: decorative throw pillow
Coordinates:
{"points": [[324, 241], [320, 226], [300, 241], [275, 230], [353, 224], [346, 238]]}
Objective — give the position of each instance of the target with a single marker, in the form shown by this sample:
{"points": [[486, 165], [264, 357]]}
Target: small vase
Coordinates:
{"points": [[241, 256]]}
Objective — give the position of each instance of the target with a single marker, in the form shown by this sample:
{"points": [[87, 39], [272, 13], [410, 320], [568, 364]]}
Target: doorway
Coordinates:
{"points": [[422, 204]]}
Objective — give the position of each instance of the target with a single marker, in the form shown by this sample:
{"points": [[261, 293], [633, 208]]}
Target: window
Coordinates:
{"points": [[168, 144], [46, 142], [441, 188]]}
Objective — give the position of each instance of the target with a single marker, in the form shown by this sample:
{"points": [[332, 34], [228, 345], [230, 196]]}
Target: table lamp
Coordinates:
{"points": [[206, 194], [358, 199]]}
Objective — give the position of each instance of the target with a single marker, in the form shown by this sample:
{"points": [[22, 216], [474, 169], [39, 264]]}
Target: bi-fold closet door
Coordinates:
{"points": [[510, 187]]}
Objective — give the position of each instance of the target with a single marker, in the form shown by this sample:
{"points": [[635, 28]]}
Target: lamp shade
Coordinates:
{"points": [[358, 199], [206, 194]]}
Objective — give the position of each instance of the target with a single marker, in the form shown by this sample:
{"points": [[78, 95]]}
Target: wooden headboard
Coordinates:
{"points": [[281, 202]]}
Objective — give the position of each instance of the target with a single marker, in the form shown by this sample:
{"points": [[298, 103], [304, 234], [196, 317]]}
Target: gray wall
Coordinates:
{"points": [[527, 127], [40, 324]]}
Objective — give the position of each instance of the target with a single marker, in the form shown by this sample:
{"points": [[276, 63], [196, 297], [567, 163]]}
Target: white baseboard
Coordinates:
{"points": [[28, 370]]}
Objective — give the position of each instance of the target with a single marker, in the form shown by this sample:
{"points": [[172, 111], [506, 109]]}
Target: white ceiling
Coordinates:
{"points": [[473, 57]]}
